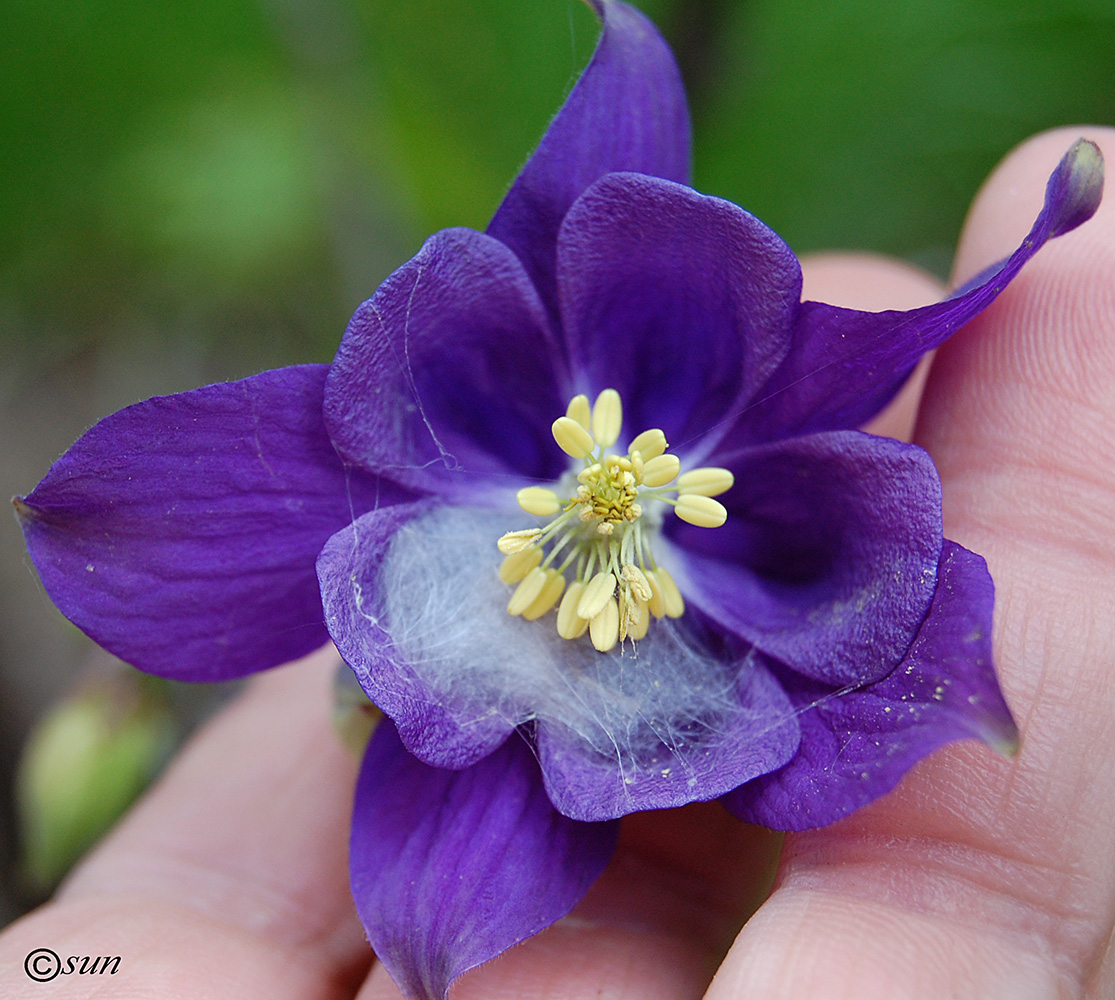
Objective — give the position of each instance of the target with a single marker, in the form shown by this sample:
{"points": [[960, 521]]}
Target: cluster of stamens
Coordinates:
{"points": [[598, 531]]}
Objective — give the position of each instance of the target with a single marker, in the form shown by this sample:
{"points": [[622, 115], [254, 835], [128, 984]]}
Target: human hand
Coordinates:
{"points": [[978, 877]]}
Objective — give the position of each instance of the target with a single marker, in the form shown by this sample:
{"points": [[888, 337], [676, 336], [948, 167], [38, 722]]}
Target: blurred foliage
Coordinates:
{"points": [[246, 171], [871, 124]]}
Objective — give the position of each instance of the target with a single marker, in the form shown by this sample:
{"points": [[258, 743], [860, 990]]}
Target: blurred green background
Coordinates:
{"points": [[193, 190]]}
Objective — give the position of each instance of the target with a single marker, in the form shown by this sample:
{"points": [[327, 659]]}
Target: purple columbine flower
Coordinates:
{"points": [[585, 505]]}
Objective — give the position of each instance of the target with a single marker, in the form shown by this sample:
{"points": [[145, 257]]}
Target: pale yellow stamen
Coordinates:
{"points": [[539, 501], [637, 582], [515, 566], [572, 438], [580, 411], [527, 592], [650, 444], [661, 470], [672, 600], [707, 482], [640, 623], [597, 592], [516, 541], [634, 619], [657, 603], [607, 418], [598, 540], [571, 625], [704, 512], [603, 628], [548, 597]]}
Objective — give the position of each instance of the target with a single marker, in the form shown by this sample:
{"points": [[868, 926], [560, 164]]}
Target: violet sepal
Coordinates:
{"points": [[448, 378], [451, 868], [828, 560], [180, 533], [627, 112], [857, 744], [844, 365], [647, 271]]}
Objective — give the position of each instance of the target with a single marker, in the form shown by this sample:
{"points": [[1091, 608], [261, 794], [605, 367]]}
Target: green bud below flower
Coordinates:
{"points": [[354, 716], [84, 763]]}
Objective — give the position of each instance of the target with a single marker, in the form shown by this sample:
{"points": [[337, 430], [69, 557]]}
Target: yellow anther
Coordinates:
{"points": [[650, 444], [634, 619], [571, 625], [637, 582], [572, 438], [515, 566], [672, 601], [516, 541], [640, 622], [539, 501], [656, 604], [579, 410], [603, 628], [527, 592], [707, 482], [704, 512], [551, 591], [598, 591], [661, 470], [607, 418]]}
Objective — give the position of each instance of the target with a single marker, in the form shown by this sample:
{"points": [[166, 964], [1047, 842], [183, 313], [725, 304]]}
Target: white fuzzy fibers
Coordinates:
{"points": [[444, 606]]}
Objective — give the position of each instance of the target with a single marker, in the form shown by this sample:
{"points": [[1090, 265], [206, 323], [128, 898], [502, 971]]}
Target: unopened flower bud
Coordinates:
{"points": [[84, 763]]}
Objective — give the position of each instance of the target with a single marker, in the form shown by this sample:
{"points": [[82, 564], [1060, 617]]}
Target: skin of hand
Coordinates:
{"points": [[978, 877]]}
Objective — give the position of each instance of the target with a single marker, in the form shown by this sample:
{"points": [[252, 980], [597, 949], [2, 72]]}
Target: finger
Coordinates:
{"points": [[981, 877], [865, 281], [230, 878]]}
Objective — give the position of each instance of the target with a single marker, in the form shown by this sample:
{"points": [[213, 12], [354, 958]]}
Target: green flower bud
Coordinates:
{"points": [[354, 716], [84, 763]]}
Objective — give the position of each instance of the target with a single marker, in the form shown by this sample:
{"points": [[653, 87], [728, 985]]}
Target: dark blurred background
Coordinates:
{"points": [[194, 190]]}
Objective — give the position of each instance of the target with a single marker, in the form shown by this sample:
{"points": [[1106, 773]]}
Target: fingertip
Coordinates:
{"points": [[867, 281]]}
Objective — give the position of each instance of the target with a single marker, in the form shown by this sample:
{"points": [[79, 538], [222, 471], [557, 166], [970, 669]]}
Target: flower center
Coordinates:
{"points": [[603, 521]]}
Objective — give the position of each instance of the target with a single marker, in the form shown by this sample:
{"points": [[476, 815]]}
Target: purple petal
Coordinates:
{"points": [[716, 720], [416, 606], [181, 533], [828, 559], [627, 112], [451, 868], [682, 302], [845, 365], [442, 727], [856, 745], [448, 377]]}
